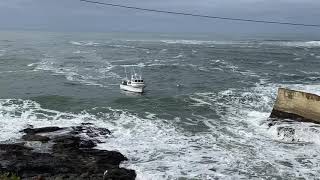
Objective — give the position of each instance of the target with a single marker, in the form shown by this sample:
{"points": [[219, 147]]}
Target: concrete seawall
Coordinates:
{"points": [[296, 105]]}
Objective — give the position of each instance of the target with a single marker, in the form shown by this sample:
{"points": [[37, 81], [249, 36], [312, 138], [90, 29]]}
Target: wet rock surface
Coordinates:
{"points": [[63, 153]]}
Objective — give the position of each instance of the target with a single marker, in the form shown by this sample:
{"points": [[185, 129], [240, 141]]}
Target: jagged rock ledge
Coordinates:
{"points": [[63, 153]]}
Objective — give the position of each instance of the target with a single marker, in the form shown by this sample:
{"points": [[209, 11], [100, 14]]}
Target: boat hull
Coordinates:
{"points": [[132, 89]]}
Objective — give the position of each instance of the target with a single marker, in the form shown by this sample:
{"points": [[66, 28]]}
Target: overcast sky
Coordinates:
{"points": [[73, 15]]}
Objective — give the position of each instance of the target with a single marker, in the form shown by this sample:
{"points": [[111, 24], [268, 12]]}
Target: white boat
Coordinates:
{"points": [[135, 84]]}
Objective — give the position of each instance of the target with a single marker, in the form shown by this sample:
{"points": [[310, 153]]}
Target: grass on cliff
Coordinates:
{"points": [[8, 176]]}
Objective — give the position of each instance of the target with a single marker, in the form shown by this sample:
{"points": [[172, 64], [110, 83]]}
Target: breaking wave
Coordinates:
{"points": [[308, 44], [2, 52], [17, 114], [193, 42], [93, 75], [246, 113], [158, 149], [84, 43]]}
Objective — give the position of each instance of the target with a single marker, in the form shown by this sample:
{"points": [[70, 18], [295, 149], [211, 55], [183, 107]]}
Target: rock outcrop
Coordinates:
{"points": [[63, 153], [296, 105]]}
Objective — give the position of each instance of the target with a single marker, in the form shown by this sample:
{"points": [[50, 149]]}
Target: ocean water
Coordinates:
{"points": [[204, 112]]}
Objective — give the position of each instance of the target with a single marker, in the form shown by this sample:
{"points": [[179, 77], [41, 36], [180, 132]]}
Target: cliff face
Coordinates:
{"points": [[296, 105]]}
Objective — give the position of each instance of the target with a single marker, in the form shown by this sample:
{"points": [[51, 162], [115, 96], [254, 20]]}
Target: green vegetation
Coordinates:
{"points": [[8, 176]]}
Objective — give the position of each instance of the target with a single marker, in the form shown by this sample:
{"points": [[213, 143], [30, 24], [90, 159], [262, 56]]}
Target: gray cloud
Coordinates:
{"points": [[73, 15]]}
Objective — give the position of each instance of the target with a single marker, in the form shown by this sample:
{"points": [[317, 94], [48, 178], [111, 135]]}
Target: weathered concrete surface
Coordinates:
{"points": [[296, 105]]}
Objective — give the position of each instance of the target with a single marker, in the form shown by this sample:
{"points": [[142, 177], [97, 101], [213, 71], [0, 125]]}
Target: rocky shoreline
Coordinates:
{"points": [[54, 153]]}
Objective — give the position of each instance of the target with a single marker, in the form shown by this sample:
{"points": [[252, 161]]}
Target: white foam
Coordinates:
{"points": [[242, 44], [313, 43], [252, 107], [310, 72], [206, 42], [228, 66], [76, 43], [191, 42], [269, 62], [2, 52], [83, 52], [133, 65], [76, 72], [178, 56], [30, 65], [150, 145], [238, 142], [159, 151], [84, 43], [199, 102], [16, 114], [307, 44], [122, 46]]}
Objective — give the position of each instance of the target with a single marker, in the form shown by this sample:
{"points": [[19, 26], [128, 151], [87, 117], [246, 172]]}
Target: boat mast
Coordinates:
{"points": [[134, 72], [140, 73], [125, 70]]}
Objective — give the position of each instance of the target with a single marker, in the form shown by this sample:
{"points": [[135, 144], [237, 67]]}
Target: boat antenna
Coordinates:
{"points": [[125, 70], [140, 73], [134, 72]]}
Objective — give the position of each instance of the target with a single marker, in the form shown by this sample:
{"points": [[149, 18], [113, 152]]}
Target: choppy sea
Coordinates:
{"points": [[204, 112]]}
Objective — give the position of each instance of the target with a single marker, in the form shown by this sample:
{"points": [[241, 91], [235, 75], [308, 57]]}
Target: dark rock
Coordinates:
{"points": [[33, 137], [87, 144], [85, 175], [104, 131], [213, 169], [90, 130], [77, 129], [286, 132], [119, 174], [70, 156], [18, 147], [66, 142], [86, 124], [282, 116], [41, 130], [40, 178]]}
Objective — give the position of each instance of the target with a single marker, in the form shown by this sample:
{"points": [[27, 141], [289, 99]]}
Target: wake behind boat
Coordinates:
{"points": [[135, 84]]}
